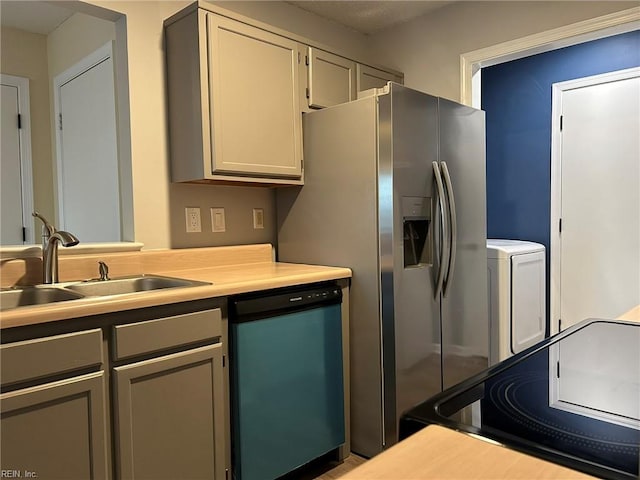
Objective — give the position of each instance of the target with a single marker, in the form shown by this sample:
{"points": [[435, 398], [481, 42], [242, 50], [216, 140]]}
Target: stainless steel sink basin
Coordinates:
{"points": [[43, 294], [120, 286], [22, 297]]}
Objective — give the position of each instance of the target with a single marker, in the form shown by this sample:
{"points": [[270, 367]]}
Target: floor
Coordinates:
{"points": [[325, 468], [351, 462]]}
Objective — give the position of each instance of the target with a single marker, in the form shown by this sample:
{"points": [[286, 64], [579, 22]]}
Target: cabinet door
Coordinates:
{"points": [[170, 416], [254, 102], [56, 430], [369, 77], [331, 79]]}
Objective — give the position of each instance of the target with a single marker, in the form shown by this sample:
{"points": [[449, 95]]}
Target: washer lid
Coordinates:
{"points": [[498, 248]]}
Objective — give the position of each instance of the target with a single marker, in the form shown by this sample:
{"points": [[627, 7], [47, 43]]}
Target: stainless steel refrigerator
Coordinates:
{"points": [[395, 190]]}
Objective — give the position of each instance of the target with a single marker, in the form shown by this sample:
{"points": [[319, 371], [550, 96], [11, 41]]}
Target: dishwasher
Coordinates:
{"points": [[287, 390]]}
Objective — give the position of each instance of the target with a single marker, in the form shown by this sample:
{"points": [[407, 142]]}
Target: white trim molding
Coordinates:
{"points": [[575, 33], [26, 165]]}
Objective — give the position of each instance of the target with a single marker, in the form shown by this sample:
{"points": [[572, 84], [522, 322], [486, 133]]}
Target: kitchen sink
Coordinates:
{"points": [[22, 297], [44, 294], [120, 286]]}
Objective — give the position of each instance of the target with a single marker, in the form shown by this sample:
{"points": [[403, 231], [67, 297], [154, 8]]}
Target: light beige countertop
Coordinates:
{"points": [[230, 270], [632, 315], [437, 452]]}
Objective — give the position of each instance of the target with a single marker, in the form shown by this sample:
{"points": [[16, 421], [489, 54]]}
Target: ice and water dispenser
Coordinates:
{"points": [[416, 223]]}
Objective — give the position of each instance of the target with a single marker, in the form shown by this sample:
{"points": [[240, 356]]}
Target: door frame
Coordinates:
{"points": [[556, 177], [98, 56], [24, 139], [600, 27]]}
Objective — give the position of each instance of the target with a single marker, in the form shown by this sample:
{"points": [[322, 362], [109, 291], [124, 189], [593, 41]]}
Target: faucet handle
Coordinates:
{"points": [[103, 268]]}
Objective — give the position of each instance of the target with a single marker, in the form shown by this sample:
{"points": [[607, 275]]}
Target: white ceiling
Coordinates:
{"points": [[369, 16], [32, 16]]}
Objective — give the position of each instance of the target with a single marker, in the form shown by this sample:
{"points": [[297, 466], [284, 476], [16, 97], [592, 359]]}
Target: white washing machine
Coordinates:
{"points": [[516, 296]]}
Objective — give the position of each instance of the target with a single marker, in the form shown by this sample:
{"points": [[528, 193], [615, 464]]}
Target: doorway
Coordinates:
{"points": [[517, 97], [595, 197], [87, 149], [15, 162]]}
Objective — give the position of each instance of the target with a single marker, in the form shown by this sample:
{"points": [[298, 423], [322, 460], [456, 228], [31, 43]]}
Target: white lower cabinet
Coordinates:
{"points": [[170, 417], [169, 397], [56, 430], [141, 396], [52, 427]]}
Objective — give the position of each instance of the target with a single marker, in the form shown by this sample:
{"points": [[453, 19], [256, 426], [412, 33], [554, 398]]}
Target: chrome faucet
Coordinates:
{"points": [[47, 230], [50, 240]]}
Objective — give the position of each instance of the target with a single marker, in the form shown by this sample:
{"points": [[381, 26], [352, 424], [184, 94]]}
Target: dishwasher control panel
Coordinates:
{"points": [[282, 300]]}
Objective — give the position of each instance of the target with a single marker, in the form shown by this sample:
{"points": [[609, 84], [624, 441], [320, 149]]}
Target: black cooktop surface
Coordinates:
{"points": [[573, 399]]}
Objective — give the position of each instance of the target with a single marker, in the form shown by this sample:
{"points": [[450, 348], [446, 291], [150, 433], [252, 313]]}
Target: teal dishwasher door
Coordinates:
{"points": [[287, 390]]}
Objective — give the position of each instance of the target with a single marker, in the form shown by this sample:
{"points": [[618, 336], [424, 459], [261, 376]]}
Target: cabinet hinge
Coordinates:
{"points": [[561, 121], [298, 57], [558, 369], [560, 225], [224, 360], [302, 164], [306, 59], [19, 121], [307, 91], [226, 474], [559, 325], [60, 119], [24, 231]]}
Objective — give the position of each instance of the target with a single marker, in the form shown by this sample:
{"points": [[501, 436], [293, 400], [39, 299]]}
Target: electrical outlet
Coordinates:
{"points": [[218, 223], [193, 219], [258, 218]]}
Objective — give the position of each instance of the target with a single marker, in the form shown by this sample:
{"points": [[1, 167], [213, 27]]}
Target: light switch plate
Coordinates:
{"points": [[193, 219], [258, 218], [218, 222]]}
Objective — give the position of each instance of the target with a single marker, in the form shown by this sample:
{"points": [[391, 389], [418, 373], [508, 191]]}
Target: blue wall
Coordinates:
{"points": [[517, 99]]}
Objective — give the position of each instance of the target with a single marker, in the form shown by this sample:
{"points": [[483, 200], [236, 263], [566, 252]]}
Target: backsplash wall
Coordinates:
{"points": [[238, 203]]}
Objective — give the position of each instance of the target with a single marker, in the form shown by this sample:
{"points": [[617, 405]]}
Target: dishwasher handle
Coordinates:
{"points": [[268, 304]]}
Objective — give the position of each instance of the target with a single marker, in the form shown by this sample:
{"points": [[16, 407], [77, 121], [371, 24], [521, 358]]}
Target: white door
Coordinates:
{"points": [[11, 192], [16, 190], [599, 240], [88, 187]]}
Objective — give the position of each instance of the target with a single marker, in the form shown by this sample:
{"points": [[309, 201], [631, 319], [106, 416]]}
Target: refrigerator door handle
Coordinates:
{"points": [[444, 249], [453, 234]]}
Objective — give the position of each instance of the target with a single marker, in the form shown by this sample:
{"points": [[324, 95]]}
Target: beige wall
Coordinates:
{"points": [[79, 36], [24, 54], [305, 24], [428, 48], [158, 204]]}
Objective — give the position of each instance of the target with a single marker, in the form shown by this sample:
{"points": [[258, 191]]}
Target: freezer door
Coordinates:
{"points": [[412, 220], [465, 317]]}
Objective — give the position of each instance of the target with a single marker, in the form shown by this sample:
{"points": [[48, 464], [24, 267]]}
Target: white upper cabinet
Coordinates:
{"points": [[369, 77], [236, 92], [255, 109], [234, 102], [331, 79]]}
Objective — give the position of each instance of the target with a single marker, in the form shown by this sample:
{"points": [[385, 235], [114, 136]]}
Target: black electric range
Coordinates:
{"points": [[573, 399]]}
